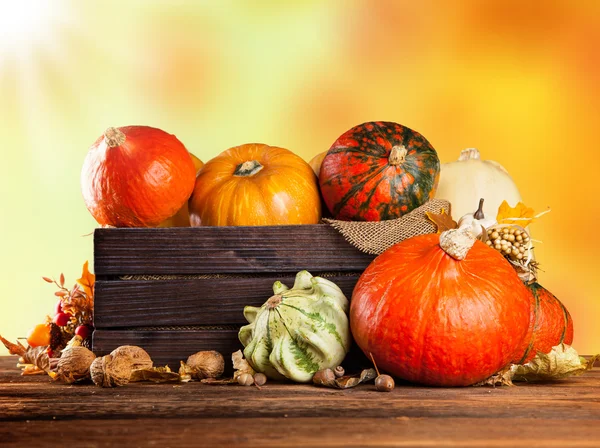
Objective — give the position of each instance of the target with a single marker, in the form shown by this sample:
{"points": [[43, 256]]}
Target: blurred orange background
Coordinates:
{"points": [[518, 80]]}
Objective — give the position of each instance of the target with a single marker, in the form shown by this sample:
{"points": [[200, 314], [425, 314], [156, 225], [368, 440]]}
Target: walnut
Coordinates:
{"points": [[111, 371], [74, 364], [207, 364], [137, 356]]}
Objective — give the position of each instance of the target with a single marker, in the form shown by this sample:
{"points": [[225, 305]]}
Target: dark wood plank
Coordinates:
{"points": [[574, 399], [138, 303], [168, 347], [208, 250], [331, 432]]}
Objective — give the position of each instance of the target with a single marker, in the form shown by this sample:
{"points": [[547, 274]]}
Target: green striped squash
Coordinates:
{"points": [[297, 331]]}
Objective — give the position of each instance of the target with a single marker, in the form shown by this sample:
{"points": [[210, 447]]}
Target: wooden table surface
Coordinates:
{"points": [[35, 412]]}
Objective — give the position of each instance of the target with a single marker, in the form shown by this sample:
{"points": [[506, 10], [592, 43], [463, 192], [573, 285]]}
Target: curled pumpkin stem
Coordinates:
{"points": [[457, 242]]}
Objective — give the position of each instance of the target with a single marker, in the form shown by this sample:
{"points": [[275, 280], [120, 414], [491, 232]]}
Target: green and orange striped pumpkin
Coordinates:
{"points": [[378, 171], [550, 325]]}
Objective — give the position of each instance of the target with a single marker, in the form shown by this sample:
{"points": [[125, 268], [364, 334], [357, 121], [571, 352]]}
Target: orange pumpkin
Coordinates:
{"points": [[430, 317], [136, 176], [255, 184], [182, 217]]}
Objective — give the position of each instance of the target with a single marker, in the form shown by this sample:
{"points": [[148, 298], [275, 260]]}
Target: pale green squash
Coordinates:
{"points": [[297, 331]]}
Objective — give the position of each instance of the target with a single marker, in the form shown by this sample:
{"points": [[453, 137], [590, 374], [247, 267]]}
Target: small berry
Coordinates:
{"points": [[58, 307], [83, 331], [384, 383], [62, 319]]}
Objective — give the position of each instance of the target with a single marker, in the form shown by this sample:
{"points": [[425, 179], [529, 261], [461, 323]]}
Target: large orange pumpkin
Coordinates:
{"points": [[253, 185], [430, 318]]}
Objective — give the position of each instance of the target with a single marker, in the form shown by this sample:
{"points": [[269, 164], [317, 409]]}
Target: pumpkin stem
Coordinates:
{"points": [[469, 154], [274, 301], [457, 242], [479, 213], [114, 137], [397, 155], [248, 168]]}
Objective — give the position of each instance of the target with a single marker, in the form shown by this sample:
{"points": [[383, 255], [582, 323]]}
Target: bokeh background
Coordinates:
{"points": [[518, 80]]}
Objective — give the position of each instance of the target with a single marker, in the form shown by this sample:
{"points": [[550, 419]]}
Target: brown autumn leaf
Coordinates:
{"points": [[501, 378], [347, 382], [87, 281], [156, 375], [14, 349], [443, 221]]}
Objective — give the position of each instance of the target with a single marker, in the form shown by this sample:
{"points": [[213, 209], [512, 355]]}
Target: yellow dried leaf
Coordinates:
{"points": [[519, 214], [87, 281], [240, 365], [563, 361]]}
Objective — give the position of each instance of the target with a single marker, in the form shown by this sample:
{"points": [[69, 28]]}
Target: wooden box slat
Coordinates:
{"points": [[220, 301], [177, 316], [211, 250], [168, 347]]}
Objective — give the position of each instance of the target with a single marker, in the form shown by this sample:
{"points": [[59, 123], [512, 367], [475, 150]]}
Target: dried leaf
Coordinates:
{"points": [[562, 361], [30, 369], [14, 349], [37, 356], [62, 279], [155, 374], [218, 381], [186, 373], [443, 221], [48, 280], [349, 381], [519, 214], [502, 378], [240, 365], [60, 293], [87, 281]]}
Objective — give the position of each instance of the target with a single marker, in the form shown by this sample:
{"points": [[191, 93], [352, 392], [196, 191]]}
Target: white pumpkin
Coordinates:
{"points": [[469, 179]]}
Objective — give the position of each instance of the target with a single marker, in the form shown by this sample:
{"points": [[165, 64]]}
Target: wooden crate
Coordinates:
{"points": [[180, 290]]}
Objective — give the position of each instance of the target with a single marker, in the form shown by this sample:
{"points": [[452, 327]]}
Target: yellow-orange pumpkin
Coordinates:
{"points": [[255, 184]]}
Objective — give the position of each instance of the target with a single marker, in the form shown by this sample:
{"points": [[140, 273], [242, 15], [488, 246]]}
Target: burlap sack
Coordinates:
{"points": [[375, 237]]}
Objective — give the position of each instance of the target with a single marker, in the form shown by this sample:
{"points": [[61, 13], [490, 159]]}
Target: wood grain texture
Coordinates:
{"points": [[209, 250], [308, 432], [168, 347], [37, 412], [138, 303]]}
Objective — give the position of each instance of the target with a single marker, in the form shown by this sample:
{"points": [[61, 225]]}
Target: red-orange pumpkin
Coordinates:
{"points": [[377, 171], [429, 318], [551, 324], [253, 185], [136, 176]]}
